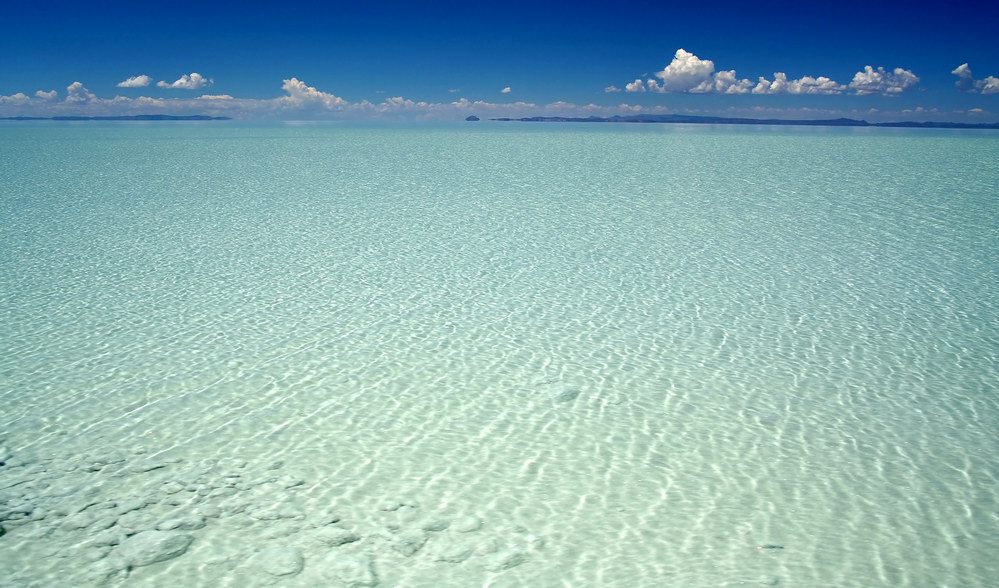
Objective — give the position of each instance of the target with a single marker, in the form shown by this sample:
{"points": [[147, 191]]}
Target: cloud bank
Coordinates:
{"points": [[300, 101], [688, 73]]}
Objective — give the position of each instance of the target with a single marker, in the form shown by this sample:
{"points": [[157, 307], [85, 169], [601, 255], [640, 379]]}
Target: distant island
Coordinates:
{"points": [[472, 118], [720, 120], [133, 117]]}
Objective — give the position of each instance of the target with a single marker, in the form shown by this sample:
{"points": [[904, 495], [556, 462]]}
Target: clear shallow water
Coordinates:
{"points": [[638, 356]]}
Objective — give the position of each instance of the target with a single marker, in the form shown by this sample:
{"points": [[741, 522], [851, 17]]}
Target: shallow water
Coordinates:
{"points": [[630, 355]]}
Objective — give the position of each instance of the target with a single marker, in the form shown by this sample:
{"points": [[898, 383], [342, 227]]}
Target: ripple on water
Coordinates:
{"points": [[519, 356]]}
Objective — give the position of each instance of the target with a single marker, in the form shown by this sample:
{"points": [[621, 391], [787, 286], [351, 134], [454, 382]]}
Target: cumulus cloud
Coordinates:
{"points": [[805, 85], [398, 102], [879, 81], [689, 73], [636, 86], [215, 97], [43, 95], [506, 90], [299, 94], [990, 85], [724, 82], [686, 72], [136, 82], [967, 83], [186, 82], [77, 94], [612, 88], [15, 99]]}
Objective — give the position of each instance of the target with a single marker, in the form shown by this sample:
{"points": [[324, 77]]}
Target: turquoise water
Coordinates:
{"points": [[503, 355]]}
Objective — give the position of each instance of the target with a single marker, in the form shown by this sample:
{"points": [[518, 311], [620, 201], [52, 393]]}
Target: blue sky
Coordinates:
{"points": [[387, 59]]}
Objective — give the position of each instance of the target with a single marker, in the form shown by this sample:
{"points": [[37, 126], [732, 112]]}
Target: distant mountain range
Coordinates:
{"points": [[721, 120], [134, 117]]}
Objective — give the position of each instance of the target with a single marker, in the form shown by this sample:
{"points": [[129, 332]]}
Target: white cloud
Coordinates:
{"points": [[686, 72], [398, 102], [689, 73], [466, 104], [215, 97], [879, 81], [990, 85], [454, 90], [612, 88], [77, 94], [919, 110], [299, 94], [144, 100], [804, 85], [136, 82], [187, 82], [15, 99], [724, 82], [967, 83], [636, 86], [50, 95], [506, 90], [976, 111]]}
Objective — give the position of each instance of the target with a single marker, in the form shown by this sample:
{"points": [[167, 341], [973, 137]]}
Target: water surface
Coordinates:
{"points": [[658, 355]]}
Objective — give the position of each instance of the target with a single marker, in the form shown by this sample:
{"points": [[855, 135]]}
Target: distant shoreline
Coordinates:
{"points": [[630, 119], [140, 117], [720, 120]]}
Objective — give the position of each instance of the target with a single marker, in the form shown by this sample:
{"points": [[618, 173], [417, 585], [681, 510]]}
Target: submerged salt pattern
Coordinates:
{"points": [[451, 356]]}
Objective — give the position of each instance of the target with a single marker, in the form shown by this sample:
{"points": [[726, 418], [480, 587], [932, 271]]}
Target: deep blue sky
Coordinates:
{"points": [[545, 52]]}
